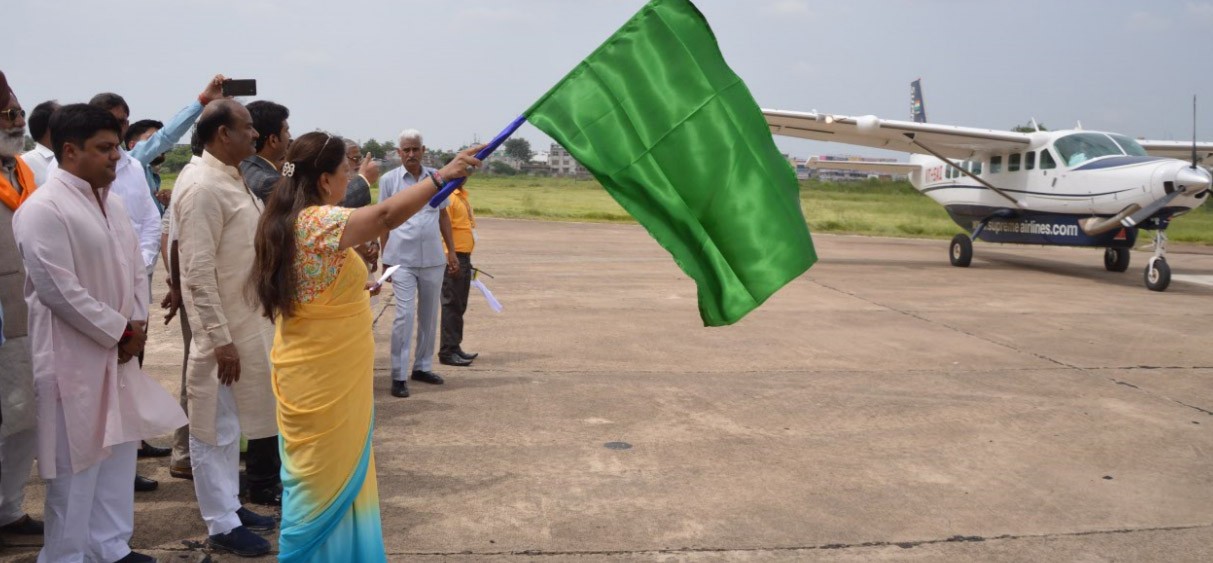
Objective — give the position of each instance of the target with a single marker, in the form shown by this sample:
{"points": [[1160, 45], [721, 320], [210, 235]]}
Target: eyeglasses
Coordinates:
{"points": [[12, 114]]}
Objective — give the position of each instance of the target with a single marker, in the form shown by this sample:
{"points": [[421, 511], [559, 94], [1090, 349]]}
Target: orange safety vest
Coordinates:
{"points": [[25, 177]]}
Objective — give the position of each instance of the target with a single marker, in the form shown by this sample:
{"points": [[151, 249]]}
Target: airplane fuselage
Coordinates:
{"points": [[1060, 178]]}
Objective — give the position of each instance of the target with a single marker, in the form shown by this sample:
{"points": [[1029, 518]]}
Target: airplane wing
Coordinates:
{"points": [[898, 168], [1179, 149], [871, 131]]}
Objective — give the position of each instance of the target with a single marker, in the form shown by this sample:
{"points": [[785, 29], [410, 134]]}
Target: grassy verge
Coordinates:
{"points": [[868, 208]]}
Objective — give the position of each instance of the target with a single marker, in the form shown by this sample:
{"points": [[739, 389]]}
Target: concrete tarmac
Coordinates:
{"points": [[885, 406]]}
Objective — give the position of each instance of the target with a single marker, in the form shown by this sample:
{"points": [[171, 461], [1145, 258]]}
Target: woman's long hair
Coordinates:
{"points": [[273, 281]]}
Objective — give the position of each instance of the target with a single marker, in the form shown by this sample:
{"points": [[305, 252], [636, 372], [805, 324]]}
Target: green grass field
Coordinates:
{"points": [[867, 208]]}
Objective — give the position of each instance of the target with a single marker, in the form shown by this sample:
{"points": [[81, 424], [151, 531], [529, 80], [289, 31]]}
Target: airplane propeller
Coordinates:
{"points": [[1148, 211], [1194, 158]]}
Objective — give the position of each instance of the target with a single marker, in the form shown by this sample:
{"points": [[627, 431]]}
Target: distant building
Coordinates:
{"points": [[561, 163], [804, 173], [538, 164], [506, 159]]}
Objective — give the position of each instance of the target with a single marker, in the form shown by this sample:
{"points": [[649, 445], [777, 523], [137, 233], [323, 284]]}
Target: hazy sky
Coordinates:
{"points": [[456, 70]]}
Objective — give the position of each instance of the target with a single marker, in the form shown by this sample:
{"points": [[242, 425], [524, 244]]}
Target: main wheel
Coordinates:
{"points": [[1158, 277], [1116, 259], [962, 251]]}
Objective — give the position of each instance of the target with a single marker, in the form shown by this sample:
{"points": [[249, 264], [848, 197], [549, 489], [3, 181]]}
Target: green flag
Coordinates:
{"points": [[674, 135]]}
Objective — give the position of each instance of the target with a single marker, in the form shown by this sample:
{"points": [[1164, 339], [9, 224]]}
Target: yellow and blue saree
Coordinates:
{"points": [[323, 362]]}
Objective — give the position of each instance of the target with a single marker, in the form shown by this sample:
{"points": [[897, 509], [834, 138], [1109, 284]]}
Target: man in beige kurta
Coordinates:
{"points": [[216, 217], [86, 289]]}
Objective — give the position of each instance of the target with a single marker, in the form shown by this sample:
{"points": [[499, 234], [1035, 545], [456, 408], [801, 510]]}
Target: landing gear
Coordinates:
{"points": [[1158, 273], [962, 251], [1116, 259]]}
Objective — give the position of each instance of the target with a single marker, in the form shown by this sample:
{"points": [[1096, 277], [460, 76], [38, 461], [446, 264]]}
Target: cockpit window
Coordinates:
{"points": [[1130, 146], [1078, 148]]}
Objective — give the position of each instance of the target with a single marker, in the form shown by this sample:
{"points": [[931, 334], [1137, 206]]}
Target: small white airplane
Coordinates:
{"points": [[1070, 188]]}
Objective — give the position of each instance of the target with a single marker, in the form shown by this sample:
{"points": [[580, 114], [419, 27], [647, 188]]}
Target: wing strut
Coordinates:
{"points": [[949, 162]]}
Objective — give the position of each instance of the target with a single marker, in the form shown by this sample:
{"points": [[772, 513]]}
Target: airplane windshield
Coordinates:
{"points": [[1078, 148], [1129, 145]]}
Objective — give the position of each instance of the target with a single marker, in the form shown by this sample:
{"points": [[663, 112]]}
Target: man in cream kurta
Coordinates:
{"points": [[216, 217], [86, 285]]}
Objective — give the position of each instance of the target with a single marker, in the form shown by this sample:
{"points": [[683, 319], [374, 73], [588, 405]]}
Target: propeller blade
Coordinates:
{"points": [[1149, 210], [1194, 132]]}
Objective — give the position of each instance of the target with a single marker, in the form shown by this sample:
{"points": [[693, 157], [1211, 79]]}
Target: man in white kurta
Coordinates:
{"points": [[86, 285], [216, 217], [179, 464]]}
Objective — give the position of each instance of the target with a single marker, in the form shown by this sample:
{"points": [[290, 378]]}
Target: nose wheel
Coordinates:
{"points": [[1158, 273], [961, 252]]}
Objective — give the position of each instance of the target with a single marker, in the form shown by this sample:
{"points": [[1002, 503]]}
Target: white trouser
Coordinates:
{"points": [[89, 515], [217, 468], [181, 438], [417, 291], [16, 460]]}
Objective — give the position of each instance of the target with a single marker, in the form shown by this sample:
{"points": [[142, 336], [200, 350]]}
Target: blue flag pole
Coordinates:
{"points": [[483, 153]]}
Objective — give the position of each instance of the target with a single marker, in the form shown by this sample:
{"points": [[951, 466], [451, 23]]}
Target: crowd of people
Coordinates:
{"points": [[270, 246]]}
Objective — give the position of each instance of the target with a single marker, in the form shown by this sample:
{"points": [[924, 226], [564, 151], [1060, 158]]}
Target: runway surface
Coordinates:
{"points": [[885, 406]]}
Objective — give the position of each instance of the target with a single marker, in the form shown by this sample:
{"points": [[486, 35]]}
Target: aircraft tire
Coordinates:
{"points": [[961, 251], [1116, 259], [1161, 277]]}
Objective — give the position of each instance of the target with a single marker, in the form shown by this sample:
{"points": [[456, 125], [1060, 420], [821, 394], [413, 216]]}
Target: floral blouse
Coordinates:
{"points": [[318, 259]]}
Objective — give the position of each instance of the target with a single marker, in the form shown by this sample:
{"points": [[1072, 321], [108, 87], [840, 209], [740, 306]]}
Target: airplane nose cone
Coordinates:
{"points": [[1190, 180]]}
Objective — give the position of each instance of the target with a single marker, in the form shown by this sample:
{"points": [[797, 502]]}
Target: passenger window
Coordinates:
{"points": [[977, 167], [1046, 160], [1029, 162], [1013, 163], [995, 164], [947, 172]]}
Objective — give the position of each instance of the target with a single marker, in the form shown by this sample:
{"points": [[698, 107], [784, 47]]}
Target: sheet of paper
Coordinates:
{"points": [[386, 274], [494, 304]]}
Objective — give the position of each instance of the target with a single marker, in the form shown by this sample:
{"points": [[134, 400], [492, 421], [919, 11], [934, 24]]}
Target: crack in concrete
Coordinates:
{"points": [[196, 547], [916, 316], [1086, 371], [819, 547]]}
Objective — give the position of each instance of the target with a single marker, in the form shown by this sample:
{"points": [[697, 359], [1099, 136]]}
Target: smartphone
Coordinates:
{"points": [[240, 87]]}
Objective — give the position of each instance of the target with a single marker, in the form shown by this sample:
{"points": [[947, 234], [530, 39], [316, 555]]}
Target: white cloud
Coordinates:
{"points": [[788, 8], [504, 15], [1147, 22], [311, 58], [1201, 11]]}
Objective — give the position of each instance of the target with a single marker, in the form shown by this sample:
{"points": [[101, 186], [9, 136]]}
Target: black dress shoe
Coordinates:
{"points": [[23, 526], [269, 496], [466, 355], [400, 388], [148, 450], [453, 360], [427, 377], [181, 471], [143, 484]]}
